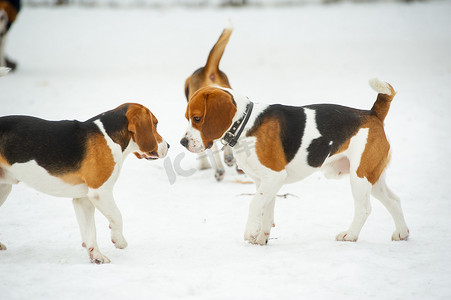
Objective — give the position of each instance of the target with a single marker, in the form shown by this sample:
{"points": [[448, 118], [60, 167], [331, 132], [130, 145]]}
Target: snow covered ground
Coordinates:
{"points": [[185, 239]]}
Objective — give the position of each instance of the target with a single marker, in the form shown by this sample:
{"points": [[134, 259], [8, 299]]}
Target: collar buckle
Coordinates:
{"points": [[228, 137]]}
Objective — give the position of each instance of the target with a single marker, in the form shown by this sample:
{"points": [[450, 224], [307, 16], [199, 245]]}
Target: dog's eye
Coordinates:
{"points": [[196, 119]]}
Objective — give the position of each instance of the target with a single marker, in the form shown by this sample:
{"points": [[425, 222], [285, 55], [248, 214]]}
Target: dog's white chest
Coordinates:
{"points": [[38, 178]]}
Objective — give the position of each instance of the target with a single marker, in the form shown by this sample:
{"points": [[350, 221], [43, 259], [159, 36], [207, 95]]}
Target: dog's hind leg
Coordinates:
{"points": [[393, 204], [84, 210], [5, 189], [361, 189]]}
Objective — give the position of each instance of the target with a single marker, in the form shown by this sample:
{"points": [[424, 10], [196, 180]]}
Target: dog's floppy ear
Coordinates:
{"points": [[219, 112], [140, 124]]}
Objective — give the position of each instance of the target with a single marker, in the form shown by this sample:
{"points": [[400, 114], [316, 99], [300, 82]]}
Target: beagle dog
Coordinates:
{"points": [[79, 160], [210, 75], [278, 144], [8, 14]]}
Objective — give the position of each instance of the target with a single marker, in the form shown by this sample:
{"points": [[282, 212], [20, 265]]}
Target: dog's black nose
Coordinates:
{"points": [[169, 146], [184, 142]]}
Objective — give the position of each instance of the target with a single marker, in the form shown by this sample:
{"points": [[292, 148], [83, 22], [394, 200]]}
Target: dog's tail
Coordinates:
{"points": [[218, 49], [384, 97], [4, 71]]}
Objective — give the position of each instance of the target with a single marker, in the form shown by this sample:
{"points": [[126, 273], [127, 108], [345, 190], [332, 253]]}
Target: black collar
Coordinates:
{"points": [[230, 138]]}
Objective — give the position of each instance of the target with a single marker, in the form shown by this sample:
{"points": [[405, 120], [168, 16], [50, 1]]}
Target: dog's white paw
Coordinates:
{"points": [[254, 235], [219, 174], [346, 236], [97, 257], [2, 247], [400, 235], [119, 242], [229, 160]]}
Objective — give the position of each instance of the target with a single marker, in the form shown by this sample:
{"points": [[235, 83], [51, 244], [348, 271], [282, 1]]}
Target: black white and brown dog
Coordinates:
{"points": [[8, 14], [79, 160], [290, 143], [210, 75]]}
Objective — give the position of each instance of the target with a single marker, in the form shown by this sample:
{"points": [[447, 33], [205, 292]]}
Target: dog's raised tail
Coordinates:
{"points": [[218, 49], [4, 71], [384, 97]]}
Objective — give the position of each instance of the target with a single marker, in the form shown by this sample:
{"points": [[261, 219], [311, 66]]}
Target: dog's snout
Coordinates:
{"points": [[184, 142]]}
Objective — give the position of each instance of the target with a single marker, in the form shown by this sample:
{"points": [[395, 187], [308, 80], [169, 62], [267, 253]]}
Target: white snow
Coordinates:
{"points": [[186, 238]]}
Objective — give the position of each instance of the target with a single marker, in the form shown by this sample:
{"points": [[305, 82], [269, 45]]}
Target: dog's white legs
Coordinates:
{"points": [[84, 210], [393, 204], [212, 156], [5, 189], [228, 156], [361, 190], [203, 161], [217, 163], [103, 200], [261, 209]]}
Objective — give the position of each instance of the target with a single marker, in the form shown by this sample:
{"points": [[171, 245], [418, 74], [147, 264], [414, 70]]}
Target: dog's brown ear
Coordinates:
{"points": [[140, 124], [219, 112]]}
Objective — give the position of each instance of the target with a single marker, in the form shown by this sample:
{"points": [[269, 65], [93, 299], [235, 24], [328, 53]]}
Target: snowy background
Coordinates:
{"points": [[186, 239]]}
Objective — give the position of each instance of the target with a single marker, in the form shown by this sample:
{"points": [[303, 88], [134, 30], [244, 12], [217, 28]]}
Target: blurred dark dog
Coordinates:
{"points": [[8, 14]]}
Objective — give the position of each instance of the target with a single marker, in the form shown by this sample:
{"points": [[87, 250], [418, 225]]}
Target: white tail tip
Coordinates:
{"points": [[4, 71], [380, 86], [228, 25]]}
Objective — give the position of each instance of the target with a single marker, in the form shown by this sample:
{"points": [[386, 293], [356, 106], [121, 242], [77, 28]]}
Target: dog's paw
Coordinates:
{"points": [[400, 235], [219, 174], [254, 235], [97, 258], [345, 236], [258, 239], [2, 247], [119, 242], [229, 160]]}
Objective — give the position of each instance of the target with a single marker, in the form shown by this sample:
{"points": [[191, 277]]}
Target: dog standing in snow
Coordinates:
{"points": [[290, 143], [79, 160], [210, 75]]}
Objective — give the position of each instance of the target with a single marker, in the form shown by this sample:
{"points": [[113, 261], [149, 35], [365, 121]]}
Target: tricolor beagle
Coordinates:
{"points": [[210, 75], [289, 143], [8, 14], [79, 160]]}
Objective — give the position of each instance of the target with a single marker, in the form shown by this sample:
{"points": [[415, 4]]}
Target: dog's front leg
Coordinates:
{"points": [[261, 210], [228, 156], [5, 189], [216, 163], [84, 210], [103, 200]]}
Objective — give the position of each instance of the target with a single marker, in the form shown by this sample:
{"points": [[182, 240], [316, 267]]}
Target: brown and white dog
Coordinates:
{"points": [[283, 144], [8, 14], [79, 160], [210, 75]]}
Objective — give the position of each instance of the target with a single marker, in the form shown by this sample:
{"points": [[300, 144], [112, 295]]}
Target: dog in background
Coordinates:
{"points": [[210, 75], [79, 160], [290, 143], [8, 14]]}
